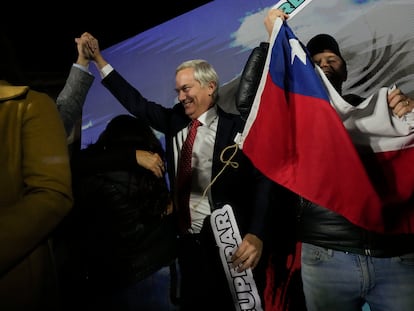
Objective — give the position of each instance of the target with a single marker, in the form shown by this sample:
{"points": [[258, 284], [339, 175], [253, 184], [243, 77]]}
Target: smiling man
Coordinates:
{"points": [[220, 174]]}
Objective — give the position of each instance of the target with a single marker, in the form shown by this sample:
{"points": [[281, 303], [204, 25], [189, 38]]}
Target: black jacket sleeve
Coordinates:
{"points": [[250, 78]]}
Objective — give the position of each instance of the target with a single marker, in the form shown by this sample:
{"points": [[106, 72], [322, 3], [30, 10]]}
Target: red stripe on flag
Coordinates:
{"points": [[300, 142], [394, 180]]}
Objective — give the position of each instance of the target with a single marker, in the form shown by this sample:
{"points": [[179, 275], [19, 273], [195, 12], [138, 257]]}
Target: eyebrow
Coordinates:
{"points": [[182, 87]]}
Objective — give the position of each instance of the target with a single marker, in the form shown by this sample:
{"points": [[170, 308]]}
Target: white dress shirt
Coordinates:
{"points": [[202, 161]]}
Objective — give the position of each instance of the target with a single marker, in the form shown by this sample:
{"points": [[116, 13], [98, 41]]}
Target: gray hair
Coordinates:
{"points": [[204, 73]]}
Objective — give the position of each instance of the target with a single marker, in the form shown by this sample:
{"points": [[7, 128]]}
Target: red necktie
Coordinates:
{"points": [[184, 178]]}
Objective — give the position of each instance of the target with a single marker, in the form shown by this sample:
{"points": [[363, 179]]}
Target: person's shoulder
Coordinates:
{"points": [[225, 114], [10, 92], [235, 118], [24, 94]]}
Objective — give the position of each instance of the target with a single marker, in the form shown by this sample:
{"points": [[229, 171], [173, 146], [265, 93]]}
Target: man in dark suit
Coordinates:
{"points": [[221, 174]]}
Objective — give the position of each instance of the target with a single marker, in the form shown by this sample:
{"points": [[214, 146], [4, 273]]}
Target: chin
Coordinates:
{"points": [[189, 111]]}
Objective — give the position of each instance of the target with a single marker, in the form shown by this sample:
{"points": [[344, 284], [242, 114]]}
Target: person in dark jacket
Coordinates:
{"points": [[343, 266], [124, 229]]}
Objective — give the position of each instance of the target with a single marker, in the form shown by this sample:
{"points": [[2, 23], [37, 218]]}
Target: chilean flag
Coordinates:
{"points": [[297, 137]]}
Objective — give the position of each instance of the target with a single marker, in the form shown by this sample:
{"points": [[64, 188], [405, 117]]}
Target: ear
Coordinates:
{"points": [[212, 86]]}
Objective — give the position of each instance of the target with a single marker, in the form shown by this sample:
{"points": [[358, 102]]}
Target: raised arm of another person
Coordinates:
{"points": [[70, 104], [250, 77], [71, 99]]}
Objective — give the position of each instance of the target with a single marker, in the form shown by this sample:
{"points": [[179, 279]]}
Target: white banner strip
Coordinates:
{"points": [[291, 7], [242, 284]]}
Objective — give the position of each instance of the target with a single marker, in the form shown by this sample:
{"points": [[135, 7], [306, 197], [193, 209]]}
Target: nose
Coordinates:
{"points": [[181, 96], [323, 62]]}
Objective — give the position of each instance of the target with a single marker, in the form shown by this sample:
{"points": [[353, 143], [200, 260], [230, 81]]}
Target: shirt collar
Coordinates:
{"points": [[209, 116]]}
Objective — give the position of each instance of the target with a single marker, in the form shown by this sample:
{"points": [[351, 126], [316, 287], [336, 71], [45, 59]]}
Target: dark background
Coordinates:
{"points": [[41, 38]]}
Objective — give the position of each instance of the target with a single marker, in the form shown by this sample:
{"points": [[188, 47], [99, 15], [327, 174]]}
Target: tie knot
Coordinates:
{"points": [[194, 124]]}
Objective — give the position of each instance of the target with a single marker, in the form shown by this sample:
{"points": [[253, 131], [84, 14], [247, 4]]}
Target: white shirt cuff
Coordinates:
{"points": [[106, 70]]}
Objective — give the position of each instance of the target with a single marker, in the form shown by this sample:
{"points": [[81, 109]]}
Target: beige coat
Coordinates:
{"points": [[35, 195]]}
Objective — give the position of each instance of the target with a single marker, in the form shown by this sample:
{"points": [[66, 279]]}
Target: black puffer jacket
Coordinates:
{"points": [[316, 224], [126, 237], [118, 232]]}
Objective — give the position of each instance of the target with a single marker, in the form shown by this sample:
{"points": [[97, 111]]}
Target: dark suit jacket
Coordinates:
{"points": [[244, 187]]}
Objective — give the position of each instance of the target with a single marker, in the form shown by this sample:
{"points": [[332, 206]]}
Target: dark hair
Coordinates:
{"points": [[126, 131]]}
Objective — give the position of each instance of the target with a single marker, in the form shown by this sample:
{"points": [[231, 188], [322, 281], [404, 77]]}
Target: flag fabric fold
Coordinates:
{"points": [[389, 140], [299, 138]]}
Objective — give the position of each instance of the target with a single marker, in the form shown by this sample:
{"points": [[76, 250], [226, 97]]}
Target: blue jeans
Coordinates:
{"points": [[335, 280]]}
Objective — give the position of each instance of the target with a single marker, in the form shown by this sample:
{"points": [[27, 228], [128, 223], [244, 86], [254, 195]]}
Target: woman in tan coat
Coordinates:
{"points": [[35, 195]]}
